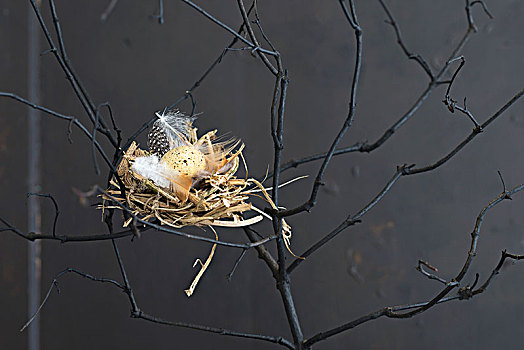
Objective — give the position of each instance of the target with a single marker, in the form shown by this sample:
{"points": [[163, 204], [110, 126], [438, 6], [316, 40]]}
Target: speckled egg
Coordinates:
{"points": [[186, 160]]}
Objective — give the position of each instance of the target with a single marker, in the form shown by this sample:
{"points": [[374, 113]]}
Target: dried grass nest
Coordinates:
{"points": [[218, 200]]}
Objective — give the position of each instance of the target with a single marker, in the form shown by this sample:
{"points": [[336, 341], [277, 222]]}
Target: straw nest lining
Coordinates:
{"points": [[219, 200]]}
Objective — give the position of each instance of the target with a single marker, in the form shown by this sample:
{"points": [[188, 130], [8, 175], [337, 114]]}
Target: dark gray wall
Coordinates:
{"points": [[141, 66]]}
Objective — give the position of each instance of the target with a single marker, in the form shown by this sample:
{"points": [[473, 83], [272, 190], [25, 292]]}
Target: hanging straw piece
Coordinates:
{"points": [[203, 267], [286, 229]]}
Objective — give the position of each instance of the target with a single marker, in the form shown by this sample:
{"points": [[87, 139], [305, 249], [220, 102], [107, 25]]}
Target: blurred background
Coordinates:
{"points": [[140, 66]]}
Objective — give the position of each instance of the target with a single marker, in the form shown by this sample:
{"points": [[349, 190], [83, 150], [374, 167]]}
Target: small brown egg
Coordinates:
{"points": [[186, 160]]}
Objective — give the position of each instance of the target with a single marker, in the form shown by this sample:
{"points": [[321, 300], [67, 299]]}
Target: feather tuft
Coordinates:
{"points": [[150, 167]]}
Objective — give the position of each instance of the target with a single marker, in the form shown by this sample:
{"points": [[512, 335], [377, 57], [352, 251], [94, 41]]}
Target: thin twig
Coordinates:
{"points": [[420, 60], [188, 92], [160, 15], [276, 340], [239, 259], [136, 312], [431, 276], [403, 171], [57, 211], [364, 146], [496, 270], [54, 284], [108, 10], [63, 60], [469, 138], [310, 203], [263, 253], [229, 29], [180, 233], [350, 221], [251, 34], [31, 236], [414, 309]]}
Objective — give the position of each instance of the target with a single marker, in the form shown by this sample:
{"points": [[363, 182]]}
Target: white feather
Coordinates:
{"points": [[176, 126], [153, 169]]}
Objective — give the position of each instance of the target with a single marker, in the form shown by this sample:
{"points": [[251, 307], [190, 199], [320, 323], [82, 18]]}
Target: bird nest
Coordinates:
{"points": [[184, 180], [219, 199]]}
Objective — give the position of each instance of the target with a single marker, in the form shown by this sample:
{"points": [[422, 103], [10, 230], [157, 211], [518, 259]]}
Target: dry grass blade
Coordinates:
{"points": [[189, 292]]}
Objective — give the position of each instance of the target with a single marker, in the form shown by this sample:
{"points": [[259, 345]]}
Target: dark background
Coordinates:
{"points": [[141, 66]]}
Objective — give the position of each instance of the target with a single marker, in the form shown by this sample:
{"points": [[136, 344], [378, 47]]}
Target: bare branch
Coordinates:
{"points": [[263, 253], [54, 284], [61, 56], [364, 146], [351, 220], [160, 15], [468, 139], [451, 103], [251, 34], [414, 309], [57, 211], [232, 272], [72, 120], [108, 10], [496, 271], [469, 5], [188, 92], [180, 233], [280, 270], [310, 203], [31, 236], [401, 171], [240, 37], [420, 60], [221, 331]]}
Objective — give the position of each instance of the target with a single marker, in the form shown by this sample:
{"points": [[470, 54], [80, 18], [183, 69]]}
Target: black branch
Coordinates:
{"points": [[407, 311], [272, 248]]}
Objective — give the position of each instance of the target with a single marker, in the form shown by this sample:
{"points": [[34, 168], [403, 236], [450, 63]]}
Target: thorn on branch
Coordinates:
{"points": [[160, 15], [230, 274], [45, 52], [425, 263], [350, 222], [430, 275], [506, 194]]}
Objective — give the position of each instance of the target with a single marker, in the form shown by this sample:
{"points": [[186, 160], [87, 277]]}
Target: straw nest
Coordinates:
{"points": [[218, 199]]}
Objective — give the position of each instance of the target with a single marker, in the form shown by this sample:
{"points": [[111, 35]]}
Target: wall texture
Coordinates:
{"points": [[141, 66]]}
